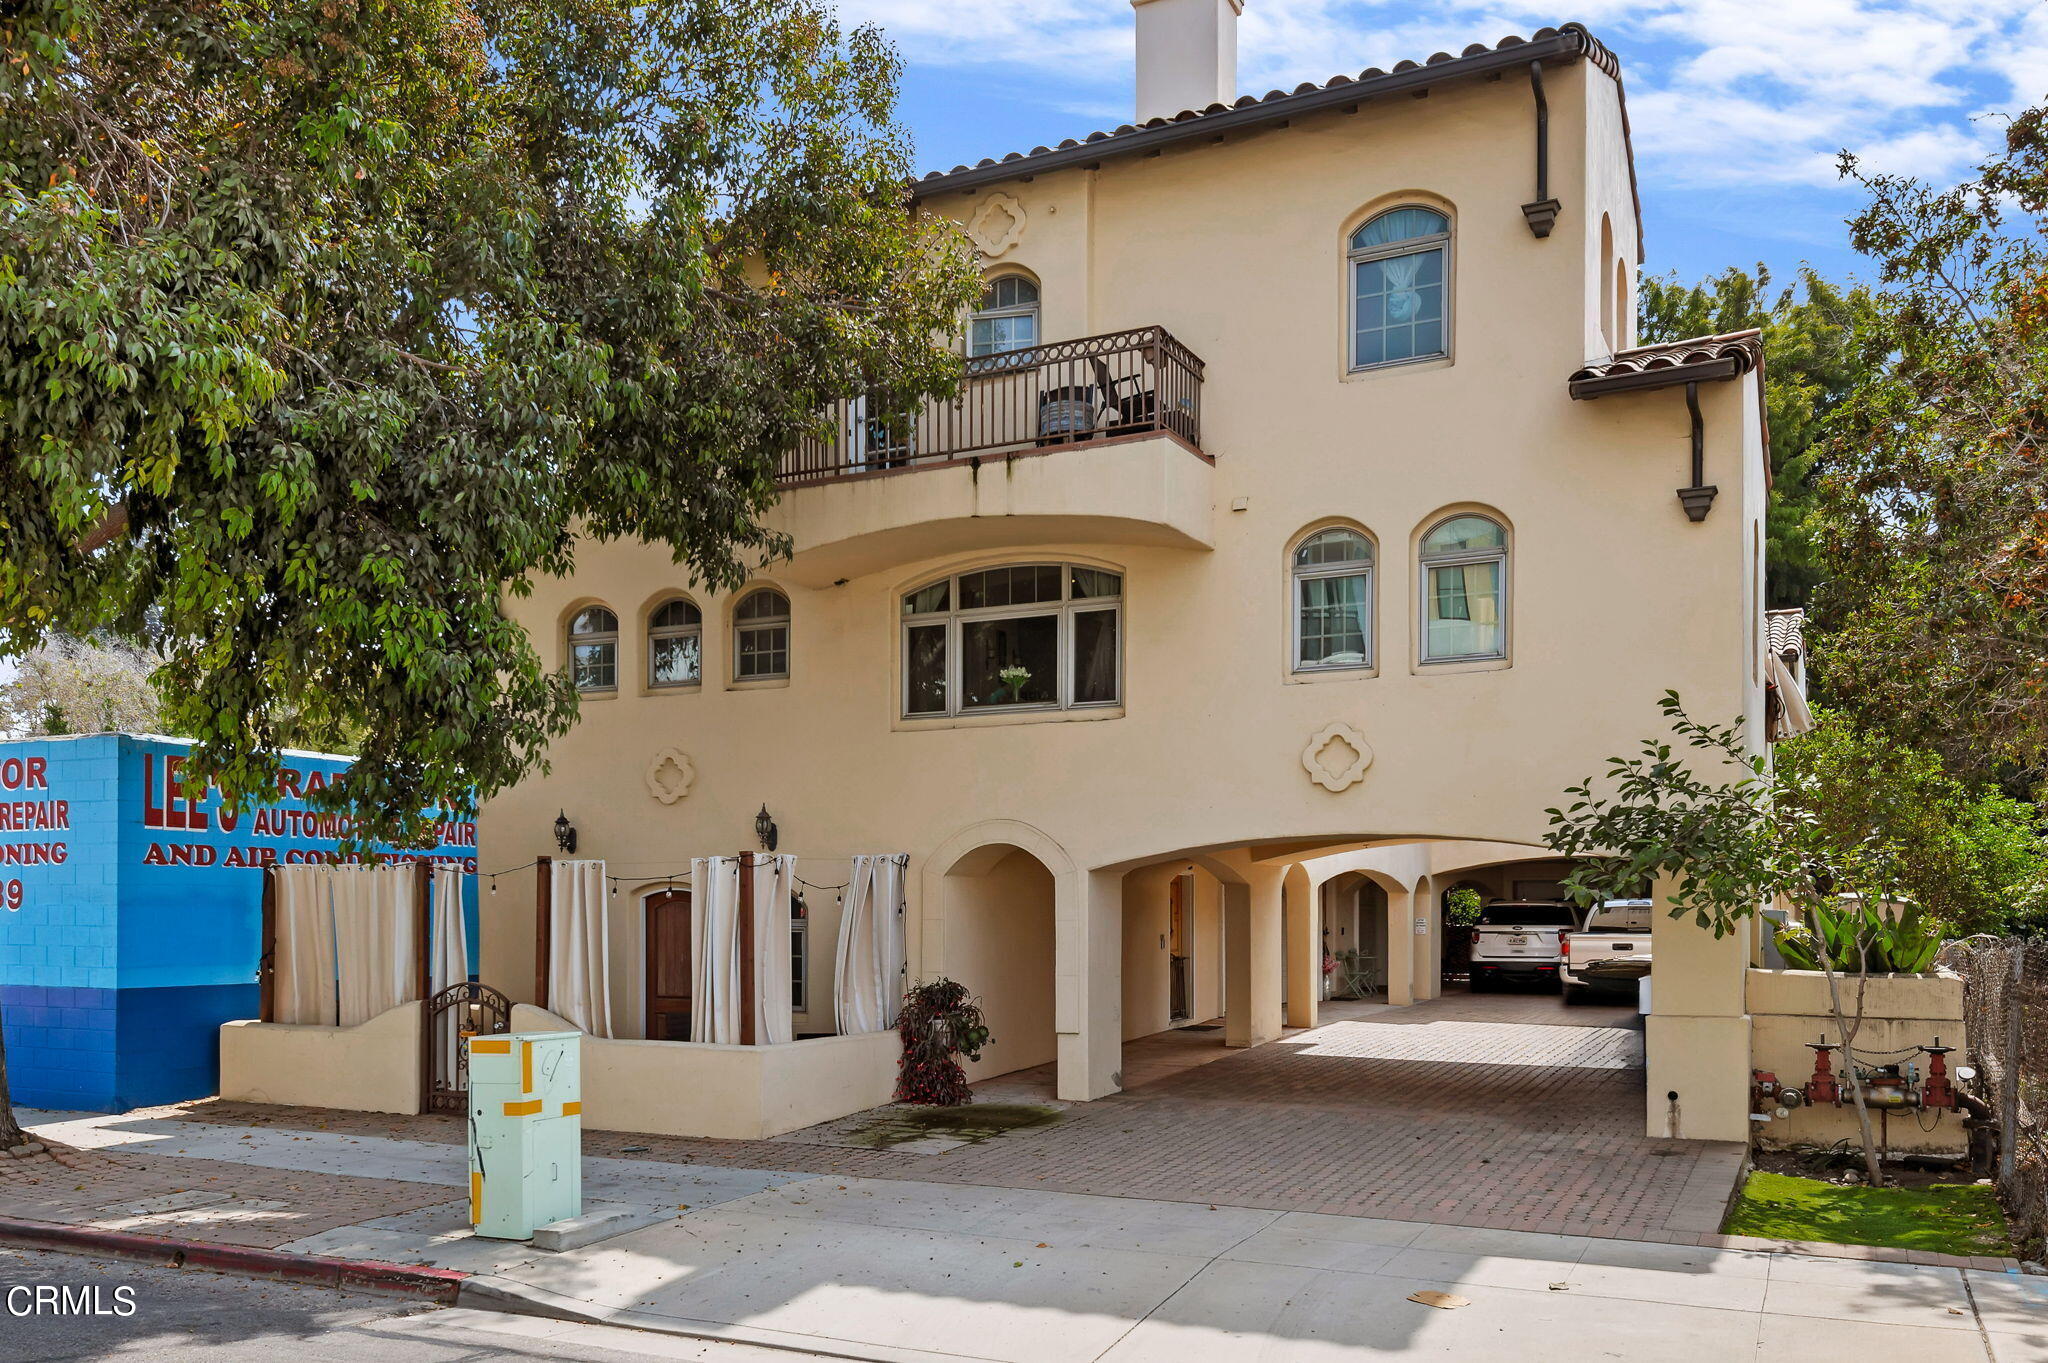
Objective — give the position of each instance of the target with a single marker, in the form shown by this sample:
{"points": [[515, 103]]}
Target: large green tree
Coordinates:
{"points": [[1812, 359], [1934, 491], [324, 324]]}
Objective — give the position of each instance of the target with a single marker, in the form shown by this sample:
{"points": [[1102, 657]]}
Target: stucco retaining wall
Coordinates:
{"points": [[673, 1088], [373, 1067], [1789, 1008]]}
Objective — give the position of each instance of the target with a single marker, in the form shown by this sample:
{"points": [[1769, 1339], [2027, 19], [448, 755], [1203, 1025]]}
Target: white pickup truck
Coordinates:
{"points": [[1517, 939], [1608, 952]]}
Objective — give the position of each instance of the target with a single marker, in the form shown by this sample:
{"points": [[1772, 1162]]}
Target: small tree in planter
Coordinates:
{"points": [[940, 1020], [1741, 834]]}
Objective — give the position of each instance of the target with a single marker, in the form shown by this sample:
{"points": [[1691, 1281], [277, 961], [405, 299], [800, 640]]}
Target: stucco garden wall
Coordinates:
{"points": [[671, 1088], [1789, 1008], [373, 1067]]}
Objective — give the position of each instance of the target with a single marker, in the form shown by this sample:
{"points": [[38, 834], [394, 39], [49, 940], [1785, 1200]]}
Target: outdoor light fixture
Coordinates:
{"points": [[565, 833], [764, 829]]}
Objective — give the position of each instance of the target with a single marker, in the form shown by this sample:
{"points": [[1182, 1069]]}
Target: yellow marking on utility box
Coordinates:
{"points": [[526, 1067], [525, 1109], [476, 1197], [572, 1109], [481, 1047]]}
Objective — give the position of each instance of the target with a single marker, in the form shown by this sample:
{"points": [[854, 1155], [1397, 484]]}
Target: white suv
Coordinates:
{"points": [[1517, 939]]}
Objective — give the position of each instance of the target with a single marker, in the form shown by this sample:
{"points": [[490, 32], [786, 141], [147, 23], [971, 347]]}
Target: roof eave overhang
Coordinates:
{"points": [[1563, 47], [1708, 371]]}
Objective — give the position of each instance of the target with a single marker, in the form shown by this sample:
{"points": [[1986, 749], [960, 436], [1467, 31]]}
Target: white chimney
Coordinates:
{"points": [[1187, 55]]}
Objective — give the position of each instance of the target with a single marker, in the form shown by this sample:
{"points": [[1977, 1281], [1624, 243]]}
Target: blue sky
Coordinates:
{"points": [[1738, 108]]}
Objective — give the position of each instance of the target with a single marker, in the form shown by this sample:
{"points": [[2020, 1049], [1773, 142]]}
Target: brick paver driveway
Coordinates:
{"points": [[1509, 1111], [1502, 1110]]}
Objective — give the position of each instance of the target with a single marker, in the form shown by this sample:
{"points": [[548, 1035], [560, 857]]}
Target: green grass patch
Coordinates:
{"points": [[1946, 1218]]}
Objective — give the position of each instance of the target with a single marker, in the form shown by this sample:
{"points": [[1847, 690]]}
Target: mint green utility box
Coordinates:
{"points": [[525, 1132]]}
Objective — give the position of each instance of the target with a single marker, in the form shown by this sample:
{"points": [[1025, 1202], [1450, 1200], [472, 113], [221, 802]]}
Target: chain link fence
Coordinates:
{"points": [[2005, 1016]]}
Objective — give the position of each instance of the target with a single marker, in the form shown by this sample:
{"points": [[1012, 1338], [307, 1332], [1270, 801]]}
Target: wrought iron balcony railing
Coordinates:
{"points": [[1096, 388]]}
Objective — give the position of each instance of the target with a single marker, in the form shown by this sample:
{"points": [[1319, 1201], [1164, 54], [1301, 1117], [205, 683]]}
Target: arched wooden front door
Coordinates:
{"points": [[669, 977]]}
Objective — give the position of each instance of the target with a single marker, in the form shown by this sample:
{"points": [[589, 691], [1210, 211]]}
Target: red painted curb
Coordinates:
{"points": [[361, 1275]]}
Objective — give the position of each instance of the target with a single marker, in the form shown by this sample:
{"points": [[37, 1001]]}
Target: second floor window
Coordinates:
{"points": [[1035, 636], [1464, 590], [675, 645], [1007, 318], [1399, 288], [594, 649], [1333, 601], [760, 636]]}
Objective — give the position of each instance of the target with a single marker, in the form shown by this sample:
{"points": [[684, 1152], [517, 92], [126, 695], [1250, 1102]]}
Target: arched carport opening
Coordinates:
{"points": [[996, 920]]}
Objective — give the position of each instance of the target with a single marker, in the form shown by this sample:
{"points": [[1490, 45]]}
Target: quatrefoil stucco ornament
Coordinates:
{"points": [[997, 225], [1336, 756], [670, 775]]}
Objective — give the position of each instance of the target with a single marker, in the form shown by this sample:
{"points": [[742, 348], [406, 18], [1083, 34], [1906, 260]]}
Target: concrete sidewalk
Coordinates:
{"points": [[901, 1269]]}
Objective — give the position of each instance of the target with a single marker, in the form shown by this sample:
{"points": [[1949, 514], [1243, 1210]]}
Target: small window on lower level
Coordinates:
{"points": [[760, 636], [1042, 636]]}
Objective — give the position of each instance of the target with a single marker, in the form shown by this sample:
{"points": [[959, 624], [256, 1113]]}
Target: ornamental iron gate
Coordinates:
{"points": [[461, 1010]]}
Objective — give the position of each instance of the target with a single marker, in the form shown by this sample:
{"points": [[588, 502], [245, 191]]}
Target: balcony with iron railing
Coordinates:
{"points": [[1094, 440], [1049, 397]]}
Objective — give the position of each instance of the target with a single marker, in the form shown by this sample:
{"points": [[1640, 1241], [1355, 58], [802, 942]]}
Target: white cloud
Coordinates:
{"points": [[1728, 92]]}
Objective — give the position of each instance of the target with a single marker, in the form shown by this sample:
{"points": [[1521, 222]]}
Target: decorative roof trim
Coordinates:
{"points": [[1701, 359], [1559, 46]]}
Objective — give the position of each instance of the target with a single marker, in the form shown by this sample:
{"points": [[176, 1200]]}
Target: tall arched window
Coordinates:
{"points": [[760, 636], [1399, 273], [1333, 601], [675, 645], [1007, 318], [1033, 636], [1464, 590], [594, 649]]}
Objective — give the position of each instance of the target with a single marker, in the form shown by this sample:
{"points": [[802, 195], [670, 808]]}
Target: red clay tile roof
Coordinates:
{"points": [[1563, 44], [1671, 362]]}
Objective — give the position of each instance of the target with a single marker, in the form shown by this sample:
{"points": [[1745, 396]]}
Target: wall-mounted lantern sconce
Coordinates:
{"points": [[765, 830], [565, 833]]}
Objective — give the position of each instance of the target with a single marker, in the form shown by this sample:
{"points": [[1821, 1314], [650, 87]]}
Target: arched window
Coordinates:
{"points": [[1007, 318], [1333, 601], [675, 645], [760, 636], [1398, 294], [1034, 636], [594, 649], [1464, 590]]}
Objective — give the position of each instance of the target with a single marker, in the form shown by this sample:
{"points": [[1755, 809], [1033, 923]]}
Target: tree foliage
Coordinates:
{"points": [[1812, 359], [325, 324], [67, 685], [1933, 494]]}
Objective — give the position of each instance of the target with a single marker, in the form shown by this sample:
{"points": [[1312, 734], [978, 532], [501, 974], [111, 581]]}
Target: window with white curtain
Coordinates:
{"points": [[594, 650], [1042, 636], [1007, 318], [675, 645], [1333, 601], [1464, 590], [1399, 288], [760, 636]]}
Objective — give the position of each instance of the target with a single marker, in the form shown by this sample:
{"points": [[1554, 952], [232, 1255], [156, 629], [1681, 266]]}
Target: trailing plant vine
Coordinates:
{"points": [[940, 1020]]}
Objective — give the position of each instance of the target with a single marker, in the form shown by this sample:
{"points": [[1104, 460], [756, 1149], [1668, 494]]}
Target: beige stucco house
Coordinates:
{"points": [[1307, 523]]}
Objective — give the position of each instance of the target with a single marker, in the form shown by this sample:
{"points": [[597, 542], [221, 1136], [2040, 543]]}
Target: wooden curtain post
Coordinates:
{"points": [[543, 927], [266, 963], [747, 999], [422, 939]]}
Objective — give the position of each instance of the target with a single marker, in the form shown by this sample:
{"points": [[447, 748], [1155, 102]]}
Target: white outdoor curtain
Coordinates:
{"points": [[303, 966], [715, 958], [867, 976], [579, 946], [448, 947], [373, 937], [774, 878], [1794, 718]]}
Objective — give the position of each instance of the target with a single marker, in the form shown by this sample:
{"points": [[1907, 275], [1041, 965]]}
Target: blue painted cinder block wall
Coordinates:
{"points": [[131, 915]]}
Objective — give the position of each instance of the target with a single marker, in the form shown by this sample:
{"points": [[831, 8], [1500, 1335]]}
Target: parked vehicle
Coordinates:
{"points": [[1517, 940], [1608, 953]]}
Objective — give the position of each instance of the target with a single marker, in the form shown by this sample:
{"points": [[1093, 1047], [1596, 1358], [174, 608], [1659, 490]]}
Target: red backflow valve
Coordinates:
{"points": [[1937, 1091], [1823, 1087]]}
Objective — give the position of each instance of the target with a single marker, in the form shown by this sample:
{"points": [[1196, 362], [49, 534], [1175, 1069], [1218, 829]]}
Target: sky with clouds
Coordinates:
{"points": [[1739, 107]]}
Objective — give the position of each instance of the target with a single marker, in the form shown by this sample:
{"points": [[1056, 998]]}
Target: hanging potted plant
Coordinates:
{"points": [[940, 1021]]}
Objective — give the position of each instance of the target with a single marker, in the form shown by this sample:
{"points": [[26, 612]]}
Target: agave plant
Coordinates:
{"points": [[1860, 937]]}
